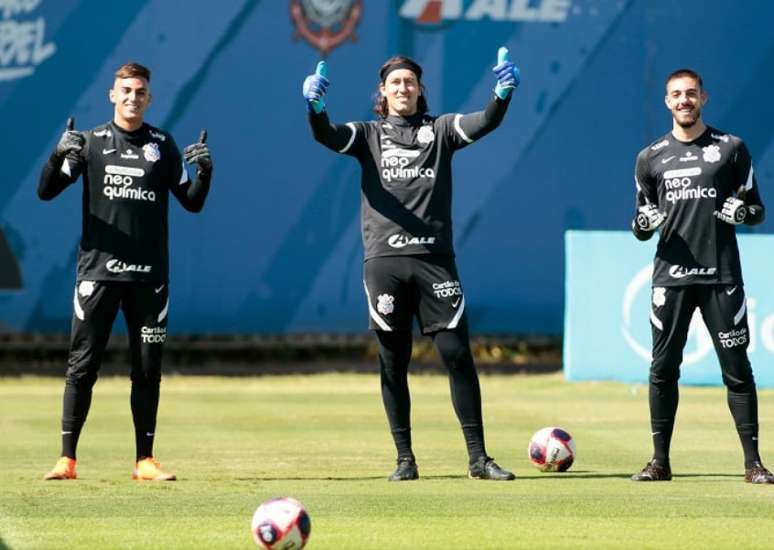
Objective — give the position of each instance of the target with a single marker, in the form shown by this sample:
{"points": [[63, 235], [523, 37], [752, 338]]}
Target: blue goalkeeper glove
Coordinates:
{"points": [[508, 76], [315, 86]]}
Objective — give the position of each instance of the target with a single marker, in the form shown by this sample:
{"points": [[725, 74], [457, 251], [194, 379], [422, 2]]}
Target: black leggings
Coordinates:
{"points": [[454, 349]]}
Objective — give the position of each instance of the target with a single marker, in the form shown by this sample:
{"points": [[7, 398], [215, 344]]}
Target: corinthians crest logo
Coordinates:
{"points": [[326, 24]]}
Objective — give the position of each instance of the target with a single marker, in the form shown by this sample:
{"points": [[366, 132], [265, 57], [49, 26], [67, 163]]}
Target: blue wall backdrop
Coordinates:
{"points": [[277, 248]]}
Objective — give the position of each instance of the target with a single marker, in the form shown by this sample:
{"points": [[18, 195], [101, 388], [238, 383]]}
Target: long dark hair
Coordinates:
{"points": [[399, 62]]}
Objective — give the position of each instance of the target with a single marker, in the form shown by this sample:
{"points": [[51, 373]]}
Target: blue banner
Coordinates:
{"points": [[607, 334]]}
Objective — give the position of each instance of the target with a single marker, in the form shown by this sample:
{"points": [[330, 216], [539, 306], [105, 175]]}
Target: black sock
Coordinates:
{"points": [[663, 399], [75, 409], [145, 405], [454, 349], [394, 357], [743, 404]]}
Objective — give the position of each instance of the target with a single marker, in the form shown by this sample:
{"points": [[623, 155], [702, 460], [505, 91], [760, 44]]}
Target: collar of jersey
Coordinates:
{"points": [[138, 132], [411, 120]]}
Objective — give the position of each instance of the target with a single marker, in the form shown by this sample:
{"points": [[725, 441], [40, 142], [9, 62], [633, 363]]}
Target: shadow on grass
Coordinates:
{"points": [[547, 476], [4, 546]]}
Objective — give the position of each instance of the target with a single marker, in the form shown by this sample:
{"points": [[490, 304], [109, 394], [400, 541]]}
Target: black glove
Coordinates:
{"points": [[199, 153], [71, 143]]}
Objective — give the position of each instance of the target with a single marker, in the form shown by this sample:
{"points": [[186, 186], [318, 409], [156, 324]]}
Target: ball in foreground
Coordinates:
{"points": [[281, 523], [552, 450]]}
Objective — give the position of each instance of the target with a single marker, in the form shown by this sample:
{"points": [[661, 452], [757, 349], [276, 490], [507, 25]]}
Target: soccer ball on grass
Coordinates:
{"points": [[281, 524], [552, 450]]}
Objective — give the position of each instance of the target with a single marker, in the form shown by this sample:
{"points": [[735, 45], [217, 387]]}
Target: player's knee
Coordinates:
{"points": [[80, 376], [454, 353], [150, 375], [740, 379], [664, 373]]}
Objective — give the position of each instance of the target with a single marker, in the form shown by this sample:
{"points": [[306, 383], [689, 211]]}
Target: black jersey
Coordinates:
{"points": [[406, 183], [127, 177], [689, 181]]}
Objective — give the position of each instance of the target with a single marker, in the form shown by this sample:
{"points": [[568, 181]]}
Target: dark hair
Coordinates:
{"points": [[133, 70], [399, 62], [679, 73]]}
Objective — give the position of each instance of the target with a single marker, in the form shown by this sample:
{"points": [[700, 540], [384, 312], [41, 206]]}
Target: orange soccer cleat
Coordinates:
{"points": [[64, 469], [148, 469]]}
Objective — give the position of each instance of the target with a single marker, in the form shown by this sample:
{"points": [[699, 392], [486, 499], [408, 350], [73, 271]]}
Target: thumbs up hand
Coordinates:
{"points": [[508, 76], [199, 153], [315, 87], [71, 143]]}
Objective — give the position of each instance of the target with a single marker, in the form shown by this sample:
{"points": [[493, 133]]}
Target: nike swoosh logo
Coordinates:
{"points": [[456, 302], [731, 290], [66, 433], [159, 289], [664, 161], [108, 151], [149, 434], [654, 433]]}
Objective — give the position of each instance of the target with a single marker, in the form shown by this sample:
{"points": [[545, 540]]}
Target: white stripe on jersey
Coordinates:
{"points": [[66, 168], [164, 311], [375, 316], [351, 139], [656, 321], [183, 174], [77, 306], [749, 183], [459, 129], [456, 320], [741, 312]]}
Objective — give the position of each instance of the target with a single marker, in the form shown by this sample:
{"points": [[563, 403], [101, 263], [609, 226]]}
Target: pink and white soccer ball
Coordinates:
{"points": [[552, 450], [281, 524]]}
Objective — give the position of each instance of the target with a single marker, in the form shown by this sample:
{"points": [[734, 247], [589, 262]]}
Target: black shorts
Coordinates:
{"points": [[724, 310], [400, 287], [95, 307]]}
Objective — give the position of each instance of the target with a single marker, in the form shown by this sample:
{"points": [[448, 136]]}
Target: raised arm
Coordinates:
{"points": [[339, 138], [65, 164], [476, 125], [192, 194]]}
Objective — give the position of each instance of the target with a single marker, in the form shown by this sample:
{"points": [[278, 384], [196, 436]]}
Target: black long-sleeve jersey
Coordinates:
{"points": [[127, 177], [689, 181], [406, 183]]}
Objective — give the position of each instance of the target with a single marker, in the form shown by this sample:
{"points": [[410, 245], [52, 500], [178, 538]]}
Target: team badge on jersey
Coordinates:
{"points": [[151, 152], [425, 135], [659, 296], [711, 153], [386, 304]]}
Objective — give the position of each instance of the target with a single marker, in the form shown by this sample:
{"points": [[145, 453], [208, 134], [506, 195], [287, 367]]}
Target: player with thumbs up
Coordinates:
{"points": [[409, 271], [129, 168]]}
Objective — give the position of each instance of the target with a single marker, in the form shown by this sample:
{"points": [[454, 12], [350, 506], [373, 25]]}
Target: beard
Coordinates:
{"points": [[688, 123]]}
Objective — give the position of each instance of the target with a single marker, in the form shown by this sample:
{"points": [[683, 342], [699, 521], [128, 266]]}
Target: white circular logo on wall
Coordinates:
{"points": [[697, 333]]}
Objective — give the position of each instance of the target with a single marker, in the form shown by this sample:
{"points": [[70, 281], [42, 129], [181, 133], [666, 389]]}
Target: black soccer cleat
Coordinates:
{"points": [[486, 468], [406, 471], [653, 471], [758, 474]]}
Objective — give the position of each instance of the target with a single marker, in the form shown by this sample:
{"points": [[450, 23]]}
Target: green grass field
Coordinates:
{"points": [[323, 439]]}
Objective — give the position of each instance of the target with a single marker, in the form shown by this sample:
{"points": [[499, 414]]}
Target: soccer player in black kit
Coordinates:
{"points": [[696, 184], [128, 168], [406, 193]]}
